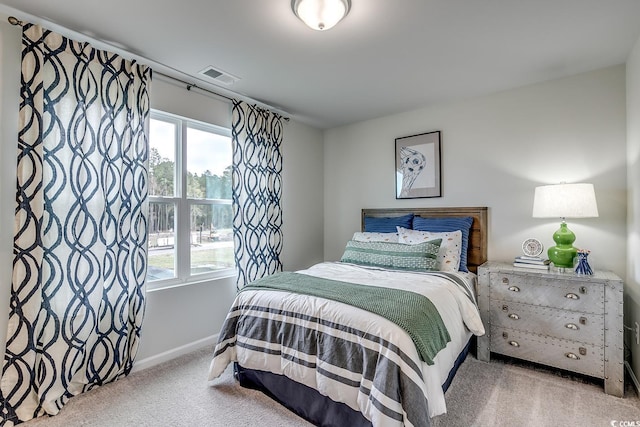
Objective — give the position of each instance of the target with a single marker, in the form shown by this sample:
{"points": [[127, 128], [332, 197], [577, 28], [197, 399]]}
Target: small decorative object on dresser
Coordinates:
{"points": [[532, 249], [583, 266], [568, 321]]}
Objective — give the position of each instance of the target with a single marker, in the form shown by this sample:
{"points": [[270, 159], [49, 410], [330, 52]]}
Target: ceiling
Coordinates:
{"points": [[385, 57]]}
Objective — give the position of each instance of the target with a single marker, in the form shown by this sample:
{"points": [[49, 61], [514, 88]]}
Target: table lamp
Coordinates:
{"points": [[564, 201]]}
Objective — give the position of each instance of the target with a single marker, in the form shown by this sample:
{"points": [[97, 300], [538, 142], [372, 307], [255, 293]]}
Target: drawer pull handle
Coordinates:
{"points": [[572, 356], [571, 326], [514, 289], [572, 296], [514, 343], [513, 316]]}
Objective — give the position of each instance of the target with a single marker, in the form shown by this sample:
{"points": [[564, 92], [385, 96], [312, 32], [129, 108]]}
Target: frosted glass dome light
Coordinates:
{"points": [[321, 15]]}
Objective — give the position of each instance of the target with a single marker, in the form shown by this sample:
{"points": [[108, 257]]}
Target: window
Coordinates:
{"points": [[190, 216]]}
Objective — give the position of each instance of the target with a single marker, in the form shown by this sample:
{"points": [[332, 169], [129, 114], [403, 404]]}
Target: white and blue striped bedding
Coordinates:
{"points": [[350, 355]]}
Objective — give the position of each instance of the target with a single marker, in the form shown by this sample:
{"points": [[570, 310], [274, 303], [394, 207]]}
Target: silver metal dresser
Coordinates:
{"points": [[564, 320]]}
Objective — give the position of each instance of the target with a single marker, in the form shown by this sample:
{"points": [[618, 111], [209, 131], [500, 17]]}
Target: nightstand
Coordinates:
{"points": [[564, 320]]}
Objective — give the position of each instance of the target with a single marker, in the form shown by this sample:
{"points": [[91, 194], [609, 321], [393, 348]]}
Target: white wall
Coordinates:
{"points": [[632, 284], [178, 317], [9, 104], [182, 318], [495, 150], [302, 199]]}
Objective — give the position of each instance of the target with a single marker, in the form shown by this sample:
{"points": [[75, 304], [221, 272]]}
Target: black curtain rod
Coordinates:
{"points": [[15, 21], [192, 85]]}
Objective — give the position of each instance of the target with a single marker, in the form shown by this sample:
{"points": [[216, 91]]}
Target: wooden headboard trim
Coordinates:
{"points": [[477, 251]]}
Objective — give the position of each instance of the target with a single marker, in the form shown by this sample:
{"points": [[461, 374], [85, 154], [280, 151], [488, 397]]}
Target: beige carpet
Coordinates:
{"points": [[509, 393], [500, 393]]}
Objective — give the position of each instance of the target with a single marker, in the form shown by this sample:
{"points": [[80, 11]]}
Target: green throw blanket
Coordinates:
{"points": [[413, 312]]}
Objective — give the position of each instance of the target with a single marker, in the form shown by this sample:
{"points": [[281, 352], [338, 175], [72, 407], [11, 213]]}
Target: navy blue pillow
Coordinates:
{"points": [[387, 225], [462, 223]]}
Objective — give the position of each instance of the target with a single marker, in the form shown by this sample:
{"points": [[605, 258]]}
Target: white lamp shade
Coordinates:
{"points": [[565, 201], [321, 14]]}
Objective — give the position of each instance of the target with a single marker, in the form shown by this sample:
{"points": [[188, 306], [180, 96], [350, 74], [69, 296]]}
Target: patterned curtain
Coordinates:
{"points": [[257, 188], [77, 297]]}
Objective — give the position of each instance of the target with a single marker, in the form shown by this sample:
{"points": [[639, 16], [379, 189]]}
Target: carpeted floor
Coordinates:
{"points": [[509, 393], [501, 393]]}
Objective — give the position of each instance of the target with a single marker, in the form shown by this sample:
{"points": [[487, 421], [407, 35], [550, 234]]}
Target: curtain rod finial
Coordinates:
{"points": [[14, 21]]}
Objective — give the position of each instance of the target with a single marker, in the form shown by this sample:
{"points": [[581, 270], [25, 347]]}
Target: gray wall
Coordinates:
{"points": [[632, 285], [495, 150], [302, 200], [9, 103]]}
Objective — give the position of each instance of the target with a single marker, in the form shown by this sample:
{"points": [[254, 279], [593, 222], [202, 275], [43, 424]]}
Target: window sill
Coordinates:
{"points": [[176, 283]]}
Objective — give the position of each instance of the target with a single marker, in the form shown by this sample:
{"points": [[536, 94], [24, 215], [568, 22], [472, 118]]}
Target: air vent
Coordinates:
{"points": [[218, 76]]}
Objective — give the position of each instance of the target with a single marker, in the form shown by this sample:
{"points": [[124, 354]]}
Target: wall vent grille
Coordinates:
{"points": [[218, 76]]}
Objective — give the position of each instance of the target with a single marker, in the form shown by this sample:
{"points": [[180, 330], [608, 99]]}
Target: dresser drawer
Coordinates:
{"points": [[570, 325], [557, 293], [572, 356]]}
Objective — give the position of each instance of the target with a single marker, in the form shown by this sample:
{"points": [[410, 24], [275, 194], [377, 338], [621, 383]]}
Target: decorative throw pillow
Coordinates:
{"points": [[363, 236], [397, 256], [449, 254], [448, 224], [387, 224]]}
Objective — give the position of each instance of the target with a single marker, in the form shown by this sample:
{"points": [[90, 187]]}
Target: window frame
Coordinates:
{"points": [[182, 205]]}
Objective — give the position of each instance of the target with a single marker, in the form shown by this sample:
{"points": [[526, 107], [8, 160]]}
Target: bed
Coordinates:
{"points": [[354, 359]]}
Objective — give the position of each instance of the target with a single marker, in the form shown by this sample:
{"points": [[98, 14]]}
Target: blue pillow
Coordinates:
{"points": [[387, 225], [462, 223]]}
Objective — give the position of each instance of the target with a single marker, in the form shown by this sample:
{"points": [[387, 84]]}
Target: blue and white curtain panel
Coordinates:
{"points": [[77, 298], [257, 190]]}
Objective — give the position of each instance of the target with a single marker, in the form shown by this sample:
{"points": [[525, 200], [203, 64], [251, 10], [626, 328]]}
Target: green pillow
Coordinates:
{"points": [[396, 256]]}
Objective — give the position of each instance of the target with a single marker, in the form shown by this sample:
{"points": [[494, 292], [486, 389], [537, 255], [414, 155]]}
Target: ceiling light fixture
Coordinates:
{"points": [[321, 15]]}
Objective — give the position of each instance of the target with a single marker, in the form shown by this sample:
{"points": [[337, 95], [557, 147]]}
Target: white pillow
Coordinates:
{"points": [[449, 254], [368, 236]]}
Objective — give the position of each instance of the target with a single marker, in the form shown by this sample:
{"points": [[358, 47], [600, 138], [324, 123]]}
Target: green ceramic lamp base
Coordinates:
{"points": [[563, 254]]}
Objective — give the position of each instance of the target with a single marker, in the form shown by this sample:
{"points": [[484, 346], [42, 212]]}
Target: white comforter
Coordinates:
{"points": [[345, 384]]}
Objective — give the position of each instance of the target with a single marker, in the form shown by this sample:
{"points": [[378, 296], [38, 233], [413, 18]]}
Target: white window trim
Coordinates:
{"points": [[182, 265]]}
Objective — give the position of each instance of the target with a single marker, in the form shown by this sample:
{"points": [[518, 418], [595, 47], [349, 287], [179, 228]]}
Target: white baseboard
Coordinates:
{"points": [[173, 353], [634, 379]]}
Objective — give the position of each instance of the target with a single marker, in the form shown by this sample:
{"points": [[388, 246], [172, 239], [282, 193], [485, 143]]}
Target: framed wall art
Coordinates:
{"points": [[418, 166]]}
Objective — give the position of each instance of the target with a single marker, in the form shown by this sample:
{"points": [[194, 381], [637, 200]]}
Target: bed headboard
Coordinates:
{"points": [[477, 252]]}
